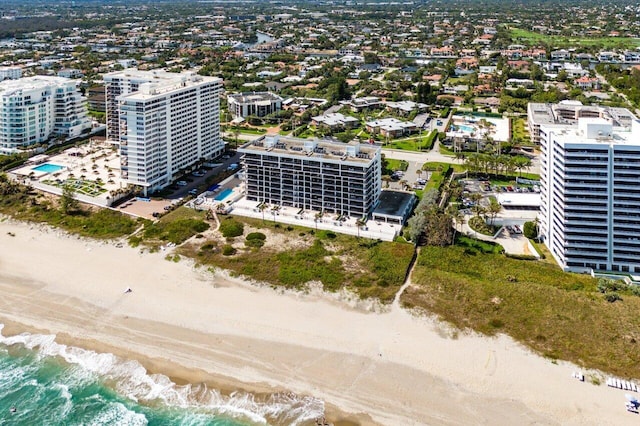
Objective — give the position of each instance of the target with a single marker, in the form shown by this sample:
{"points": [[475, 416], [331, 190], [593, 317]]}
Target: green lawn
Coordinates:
{"points": [[434, 165], [519, 131], [391, 165], [531, 38], [558, 314]]}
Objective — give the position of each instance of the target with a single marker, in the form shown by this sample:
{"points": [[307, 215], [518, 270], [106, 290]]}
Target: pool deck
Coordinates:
{"points": [[91, 161], [500, 128]]}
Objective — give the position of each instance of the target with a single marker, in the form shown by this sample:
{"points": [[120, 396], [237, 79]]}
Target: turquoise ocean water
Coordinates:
{"points": [[53, 384]]}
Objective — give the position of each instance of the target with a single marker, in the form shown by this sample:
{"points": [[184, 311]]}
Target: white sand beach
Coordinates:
{"points": [[393, 368]]}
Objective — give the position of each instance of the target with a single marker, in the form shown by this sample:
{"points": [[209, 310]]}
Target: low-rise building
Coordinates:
{"points": [[390, 127], [335, 121], [257, 104]]}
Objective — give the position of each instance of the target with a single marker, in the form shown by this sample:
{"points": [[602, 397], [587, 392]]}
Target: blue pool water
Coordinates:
{"points": [[464, 128], [48, 168], [224, 194]]}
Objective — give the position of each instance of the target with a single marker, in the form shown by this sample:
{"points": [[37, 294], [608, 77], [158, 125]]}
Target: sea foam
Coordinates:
{"points": [[132, 380]]}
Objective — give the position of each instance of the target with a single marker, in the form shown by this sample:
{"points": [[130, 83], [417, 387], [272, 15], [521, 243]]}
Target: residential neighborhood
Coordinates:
{"points": [[439, 198]]}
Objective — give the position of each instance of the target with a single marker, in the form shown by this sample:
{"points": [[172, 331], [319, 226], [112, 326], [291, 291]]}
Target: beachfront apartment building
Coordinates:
{"points": [[164, 124], [590, 198], [257, 104], [566, 113], [318, 175], [123, 83], [34, 110], [10, 73]]}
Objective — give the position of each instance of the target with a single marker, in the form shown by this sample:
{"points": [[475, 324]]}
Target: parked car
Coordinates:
{"points": [[233, 166], [193, 191], [181, 183]]}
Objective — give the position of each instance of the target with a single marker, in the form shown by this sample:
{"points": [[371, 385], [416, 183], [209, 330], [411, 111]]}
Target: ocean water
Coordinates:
{"points": [[52, 384]]}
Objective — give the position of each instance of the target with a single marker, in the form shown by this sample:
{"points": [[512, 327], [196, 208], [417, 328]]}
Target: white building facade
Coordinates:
{"points": [[318, 175], [590, 205], [258, 104], [166, 126], [10, 73], [35, 109]]}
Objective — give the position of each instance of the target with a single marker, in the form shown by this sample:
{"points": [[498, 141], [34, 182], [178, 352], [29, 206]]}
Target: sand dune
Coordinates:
{"points": [[393, 368]]}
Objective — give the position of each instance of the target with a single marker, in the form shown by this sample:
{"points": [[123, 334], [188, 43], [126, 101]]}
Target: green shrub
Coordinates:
{"points": [[134, 241], [231, 228], [612, 297], [176, 231], [530, 230], [228, 250], [255, 239]]}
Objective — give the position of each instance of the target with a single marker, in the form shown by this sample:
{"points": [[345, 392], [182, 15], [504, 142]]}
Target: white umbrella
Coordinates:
{"points": [[631, 398]]}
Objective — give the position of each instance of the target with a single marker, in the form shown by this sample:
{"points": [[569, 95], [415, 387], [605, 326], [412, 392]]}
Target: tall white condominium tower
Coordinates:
{"points": [[313, 174], [36, 109], [590, 209], [164, 122]]}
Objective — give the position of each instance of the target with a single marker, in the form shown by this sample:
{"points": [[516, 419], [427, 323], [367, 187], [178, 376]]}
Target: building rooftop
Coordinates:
{"points": [[567, 113], [255, 97], [10, 87], [166, 84], [599, 131], [393, 203], [314, 148]]}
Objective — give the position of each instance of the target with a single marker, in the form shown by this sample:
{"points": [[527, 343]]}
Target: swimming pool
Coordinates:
{"points": [[48, 168], [464, 128], [224, 194]]}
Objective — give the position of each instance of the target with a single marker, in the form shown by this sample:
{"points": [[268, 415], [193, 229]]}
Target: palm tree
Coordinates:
{"points": [[317, 218], [360, 224], [493, 209], [262, 207], [458, 218], [386, 179]]}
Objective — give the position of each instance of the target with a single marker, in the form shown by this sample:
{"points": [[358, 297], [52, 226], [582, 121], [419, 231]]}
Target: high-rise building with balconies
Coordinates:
{"points": [[35, 109], [310, 174], [164, 123], [590, 206]]}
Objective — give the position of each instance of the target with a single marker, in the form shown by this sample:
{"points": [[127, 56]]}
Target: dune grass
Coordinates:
{"points": [[23, 204], [175, 227], [370, 268], [557, 314]]}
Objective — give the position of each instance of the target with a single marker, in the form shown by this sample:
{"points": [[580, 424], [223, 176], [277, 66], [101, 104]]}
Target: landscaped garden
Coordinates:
{"points": [[80, 186]]}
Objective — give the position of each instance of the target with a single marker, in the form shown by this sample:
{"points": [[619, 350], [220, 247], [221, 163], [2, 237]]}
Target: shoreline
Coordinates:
{"points": [[181, 375], [386, 368]]}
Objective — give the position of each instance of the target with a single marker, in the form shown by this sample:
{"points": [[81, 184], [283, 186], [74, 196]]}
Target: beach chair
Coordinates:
{"points": [[634, 387], [618, 384], [609, 382]]}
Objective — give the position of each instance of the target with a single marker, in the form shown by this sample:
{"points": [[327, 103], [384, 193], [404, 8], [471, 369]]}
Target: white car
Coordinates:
{"points": [[181, 183]]}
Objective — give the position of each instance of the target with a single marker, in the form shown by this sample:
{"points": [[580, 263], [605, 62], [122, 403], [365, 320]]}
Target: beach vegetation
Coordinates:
{"points": [[255, 239], [22, 203], [228, 250], [370, 268], [558, 314], [68, 203], [176, 231], [231, 228]]}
